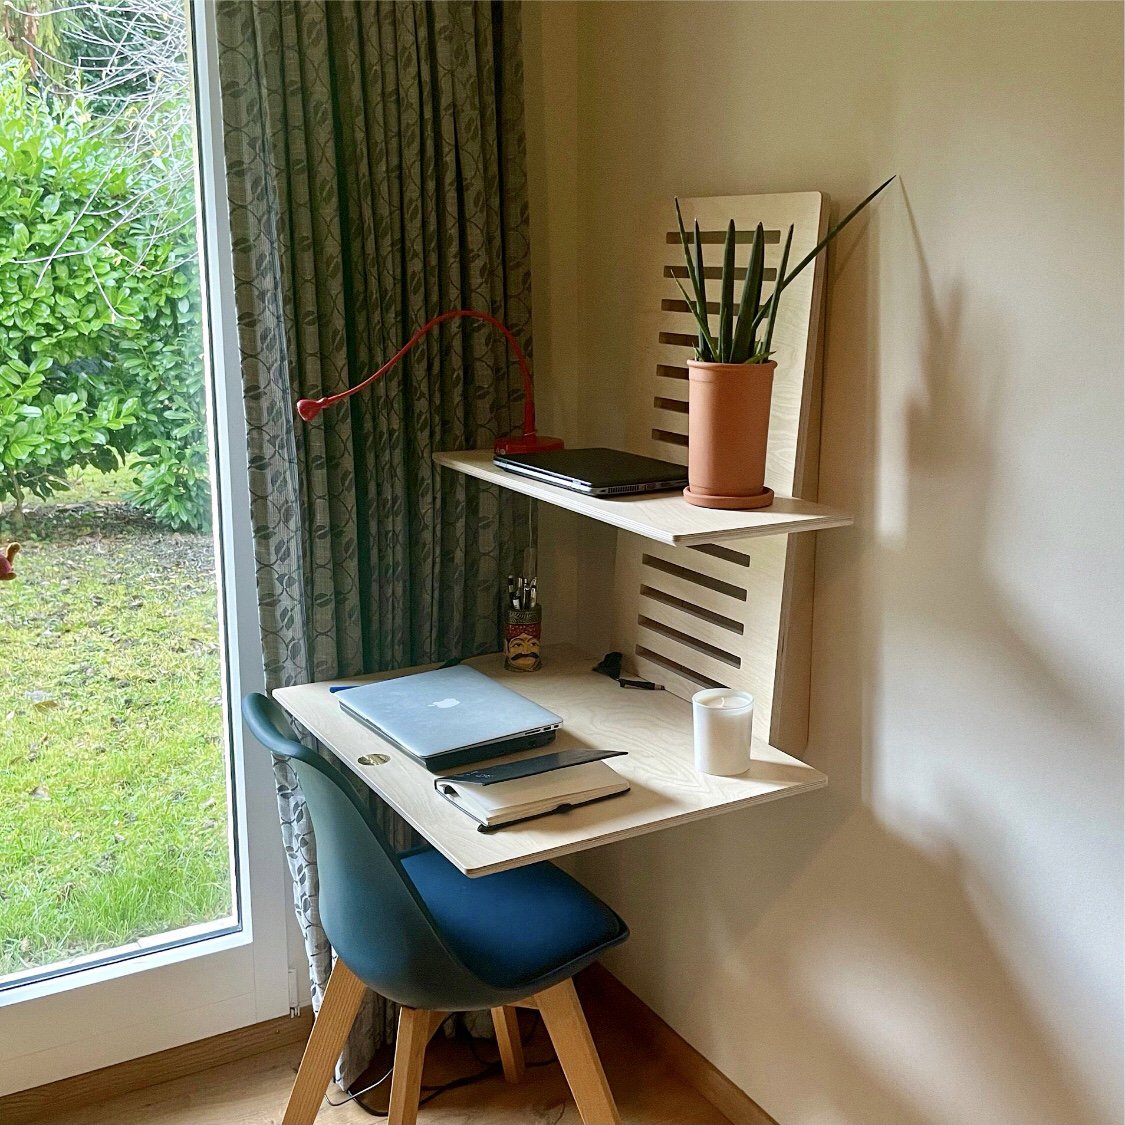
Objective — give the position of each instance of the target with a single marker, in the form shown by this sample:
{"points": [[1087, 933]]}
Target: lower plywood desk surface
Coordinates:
{"points": [[653, 726]]}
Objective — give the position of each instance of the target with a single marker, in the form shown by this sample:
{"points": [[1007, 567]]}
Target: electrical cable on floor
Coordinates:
{"points": [[359, 1093], [524, 1041], [457, 1083], [488, 1069]]}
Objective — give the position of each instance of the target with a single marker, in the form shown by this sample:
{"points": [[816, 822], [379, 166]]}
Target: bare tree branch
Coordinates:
{"points": [[123, 65]]}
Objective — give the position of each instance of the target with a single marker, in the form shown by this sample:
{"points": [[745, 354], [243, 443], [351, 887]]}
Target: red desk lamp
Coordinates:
{"points": [[527, 442]]}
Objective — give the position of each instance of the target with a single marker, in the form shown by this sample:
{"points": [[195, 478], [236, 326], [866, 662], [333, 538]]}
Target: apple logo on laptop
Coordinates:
{"points": [[443, 703]]}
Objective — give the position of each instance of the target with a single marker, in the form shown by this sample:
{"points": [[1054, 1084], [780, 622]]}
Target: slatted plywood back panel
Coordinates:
{"points": [[738, 615], [696, 617]]}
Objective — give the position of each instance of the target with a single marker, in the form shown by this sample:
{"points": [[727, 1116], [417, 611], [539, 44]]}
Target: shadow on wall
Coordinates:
{"points": [[862, 972], [895, 995], [952, 510], [873, 969]]}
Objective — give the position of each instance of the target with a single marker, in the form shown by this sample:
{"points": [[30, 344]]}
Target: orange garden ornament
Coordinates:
{"points": [[7, 569]]}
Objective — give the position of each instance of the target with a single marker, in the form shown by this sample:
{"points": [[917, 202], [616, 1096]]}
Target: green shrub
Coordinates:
{"points": [[43, 431], [100, 340]]}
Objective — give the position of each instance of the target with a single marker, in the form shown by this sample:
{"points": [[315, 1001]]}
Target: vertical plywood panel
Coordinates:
{"points": [[738, 615]]}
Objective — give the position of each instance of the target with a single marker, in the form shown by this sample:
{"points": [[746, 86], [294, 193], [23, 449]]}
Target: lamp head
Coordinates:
{"points": [[308, 408]]}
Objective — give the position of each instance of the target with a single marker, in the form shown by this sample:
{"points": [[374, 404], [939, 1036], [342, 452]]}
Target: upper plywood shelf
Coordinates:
{"points": [[666, 517]]}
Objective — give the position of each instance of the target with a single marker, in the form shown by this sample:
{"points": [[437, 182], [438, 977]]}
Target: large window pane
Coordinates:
{"points": [[114, 793]]}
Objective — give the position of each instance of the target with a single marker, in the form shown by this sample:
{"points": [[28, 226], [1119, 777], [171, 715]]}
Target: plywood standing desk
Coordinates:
{"points": [[654, 727], [702, 598]]}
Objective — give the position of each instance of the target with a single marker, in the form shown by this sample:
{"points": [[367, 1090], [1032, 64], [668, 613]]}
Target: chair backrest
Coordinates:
{"points": [[369, 908]]}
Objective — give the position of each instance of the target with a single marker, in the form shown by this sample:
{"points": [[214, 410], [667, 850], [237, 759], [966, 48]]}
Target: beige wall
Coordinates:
{"points": [[938, 936]]}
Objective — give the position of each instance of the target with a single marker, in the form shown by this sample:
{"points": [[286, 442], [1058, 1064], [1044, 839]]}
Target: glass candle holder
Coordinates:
{"points": [[723, 721]]}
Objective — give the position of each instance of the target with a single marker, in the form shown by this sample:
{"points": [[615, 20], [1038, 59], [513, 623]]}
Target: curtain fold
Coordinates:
{"points": [[376, 176]]}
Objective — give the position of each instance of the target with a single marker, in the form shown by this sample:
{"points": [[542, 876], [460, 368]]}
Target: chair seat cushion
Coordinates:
{"points": [[515, 928]]}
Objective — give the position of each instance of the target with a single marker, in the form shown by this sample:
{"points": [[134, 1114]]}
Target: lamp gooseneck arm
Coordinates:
{"points": [[309, 408]]}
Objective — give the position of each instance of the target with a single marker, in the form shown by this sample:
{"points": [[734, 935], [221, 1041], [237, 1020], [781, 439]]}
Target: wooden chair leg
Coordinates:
{"points": [[415, 1027], [507, 1026], [338, 1009], [570, 1034]]}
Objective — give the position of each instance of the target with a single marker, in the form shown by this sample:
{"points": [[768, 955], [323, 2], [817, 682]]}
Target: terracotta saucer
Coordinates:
{"points": [[732, 503]]}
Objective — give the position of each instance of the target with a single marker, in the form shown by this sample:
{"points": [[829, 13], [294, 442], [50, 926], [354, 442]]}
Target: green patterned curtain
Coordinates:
{"points": [[376, 174]]}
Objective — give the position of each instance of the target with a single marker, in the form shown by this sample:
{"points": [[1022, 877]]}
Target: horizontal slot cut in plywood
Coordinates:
{"points": [[692, 609], [694, 575], [696, 679], [715, 273], [670, 590], [681, 306], [680, 339], [670, 437], [719, 237], [724, 553], [688, 639]]}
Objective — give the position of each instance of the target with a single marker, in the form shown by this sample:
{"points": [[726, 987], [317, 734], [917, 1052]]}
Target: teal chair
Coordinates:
{"points": [[417, 931]]}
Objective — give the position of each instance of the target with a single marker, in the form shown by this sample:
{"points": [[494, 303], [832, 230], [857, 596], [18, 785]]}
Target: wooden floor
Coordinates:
{"points": [[254, 1090]]}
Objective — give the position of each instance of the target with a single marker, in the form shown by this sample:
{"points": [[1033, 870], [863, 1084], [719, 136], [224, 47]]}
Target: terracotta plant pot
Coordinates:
{"points": [[728, 425]]}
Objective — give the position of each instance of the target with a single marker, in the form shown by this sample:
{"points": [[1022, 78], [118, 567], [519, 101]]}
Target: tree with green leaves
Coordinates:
{"points": [[54, 307], [100, 335]]}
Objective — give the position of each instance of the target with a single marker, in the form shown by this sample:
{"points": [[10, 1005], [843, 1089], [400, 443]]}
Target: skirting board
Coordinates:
{"points": [[28, 1106], [607, 1000]]}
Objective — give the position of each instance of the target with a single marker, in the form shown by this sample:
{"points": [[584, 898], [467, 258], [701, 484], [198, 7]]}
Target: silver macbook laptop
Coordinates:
{"points": [[596, 472], [450, 716]]}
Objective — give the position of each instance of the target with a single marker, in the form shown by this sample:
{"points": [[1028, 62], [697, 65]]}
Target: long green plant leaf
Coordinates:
{"points": [[708, 352], [726, 297], [773, 301], [743, 346], [701, 274], [700, 312], [684, 244], [782, 283]]}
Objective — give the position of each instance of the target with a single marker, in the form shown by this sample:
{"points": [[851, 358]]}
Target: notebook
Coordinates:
{"points": [[450, 716], [525, 798]]}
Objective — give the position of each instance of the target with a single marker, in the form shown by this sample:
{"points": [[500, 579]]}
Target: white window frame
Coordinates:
{"points": [[92, 1017]]}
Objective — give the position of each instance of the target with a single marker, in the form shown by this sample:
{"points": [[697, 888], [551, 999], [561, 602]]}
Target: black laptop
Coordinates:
{"points": [[596, 472]]}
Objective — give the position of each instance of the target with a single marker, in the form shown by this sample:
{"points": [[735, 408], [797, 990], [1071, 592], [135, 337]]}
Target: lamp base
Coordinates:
{"points": [[526, 443]]}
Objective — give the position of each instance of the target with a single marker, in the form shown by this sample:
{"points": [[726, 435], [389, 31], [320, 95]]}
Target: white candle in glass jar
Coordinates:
{"points": [[723, 719]]}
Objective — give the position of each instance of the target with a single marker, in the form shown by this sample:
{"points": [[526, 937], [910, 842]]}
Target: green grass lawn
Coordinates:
{"points": [[113, 799], [89, 485]]}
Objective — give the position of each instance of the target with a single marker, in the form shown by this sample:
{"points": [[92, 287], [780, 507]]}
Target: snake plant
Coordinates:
{"points": [[738, 339]]}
